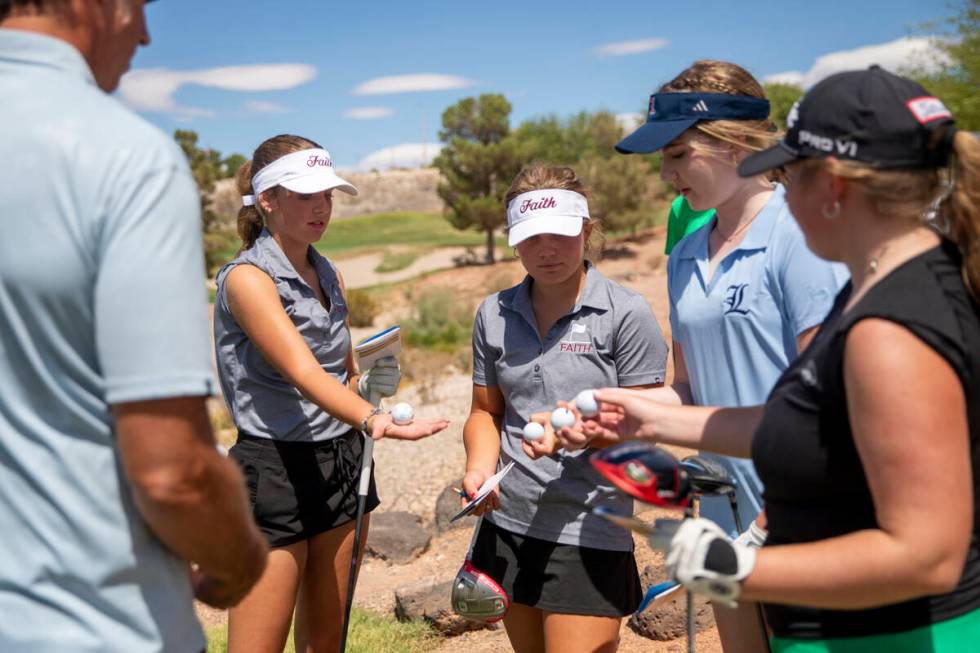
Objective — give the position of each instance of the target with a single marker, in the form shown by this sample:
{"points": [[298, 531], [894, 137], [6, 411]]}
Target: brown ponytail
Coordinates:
{"points": [[962, 208], [250, 221], [250, 218]]}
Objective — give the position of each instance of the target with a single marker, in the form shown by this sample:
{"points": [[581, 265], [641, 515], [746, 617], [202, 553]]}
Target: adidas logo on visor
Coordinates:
{"points": [[700, 107]]}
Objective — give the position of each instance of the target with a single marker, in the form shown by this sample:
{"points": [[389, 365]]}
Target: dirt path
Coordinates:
{"points": [[359, 271]]}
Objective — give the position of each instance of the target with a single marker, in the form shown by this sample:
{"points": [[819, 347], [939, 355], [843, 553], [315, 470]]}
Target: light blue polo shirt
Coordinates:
{"points": [[261, 401], [610, 338], [102, 301], [738, 328]]}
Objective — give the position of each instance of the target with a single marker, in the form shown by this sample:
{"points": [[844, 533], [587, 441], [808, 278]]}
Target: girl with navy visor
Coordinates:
{"points": [[746, 294], [565, 328]]}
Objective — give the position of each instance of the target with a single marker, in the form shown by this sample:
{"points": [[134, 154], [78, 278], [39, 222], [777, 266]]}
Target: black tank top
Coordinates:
{"points": [[805, 454]]}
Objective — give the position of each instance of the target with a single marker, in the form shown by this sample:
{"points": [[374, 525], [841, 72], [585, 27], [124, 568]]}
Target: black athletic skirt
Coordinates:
{"points": [[302, 489], [559, 578]]}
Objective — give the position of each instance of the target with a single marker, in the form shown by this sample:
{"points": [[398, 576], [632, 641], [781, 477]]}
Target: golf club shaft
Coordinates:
{"points": [[364, 482]]}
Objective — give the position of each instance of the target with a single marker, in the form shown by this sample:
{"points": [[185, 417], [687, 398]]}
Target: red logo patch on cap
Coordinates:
{"points": [[928, 108]]}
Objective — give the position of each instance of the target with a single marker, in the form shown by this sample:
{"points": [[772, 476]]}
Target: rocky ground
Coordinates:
{"points": [[411, 476]]}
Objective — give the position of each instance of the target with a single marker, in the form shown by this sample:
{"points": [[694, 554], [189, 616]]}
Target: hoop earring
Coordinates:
{"points": [[832, 213]]}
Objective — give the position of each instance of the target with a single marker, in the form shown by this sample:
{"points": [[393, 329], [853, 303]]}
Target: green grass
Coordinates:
{"points": [[369, 633], [363, 234]]}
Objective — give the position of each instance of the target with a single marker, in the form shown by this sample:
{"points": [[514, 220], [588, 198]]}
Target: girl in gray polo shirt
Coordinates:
{"points": [[569, 576], [288, 376]]}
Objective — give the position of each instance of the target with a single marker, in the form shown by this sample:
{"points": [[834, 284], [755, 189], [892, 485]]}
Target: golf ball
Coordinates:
{"points": [[586, 403], [402, 414], [562, 417], [533, 431]]}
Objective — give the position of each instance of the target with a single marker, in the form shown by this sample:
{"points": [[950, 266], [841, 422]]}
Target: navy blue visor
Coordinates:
{"points": [[671, 114]]}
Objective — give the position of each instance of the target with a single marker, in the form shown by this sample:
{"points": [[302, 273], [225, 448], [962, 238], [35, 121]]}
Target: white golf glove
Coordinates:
{"points": [[705, 560], [754, 536], [381, 380]]}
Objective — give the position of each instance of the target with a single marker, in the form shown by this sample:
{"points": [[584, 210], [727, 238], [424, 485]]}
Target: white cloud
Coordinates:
{"points": [[153, 89], [621, 48], [894, 56], [259, 106], [630, 121], [406, 155], [368, 113], [410, 84]]}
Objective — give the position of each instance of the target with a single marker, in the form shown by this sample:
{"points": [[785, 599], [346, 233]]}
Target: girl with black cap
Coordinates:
{"points": [[874, 541]]}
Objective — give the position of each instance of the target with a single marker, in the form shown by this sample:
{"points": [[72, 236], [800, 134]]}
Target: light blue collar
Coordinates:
{"points": [[31, 48], [757, 237]]}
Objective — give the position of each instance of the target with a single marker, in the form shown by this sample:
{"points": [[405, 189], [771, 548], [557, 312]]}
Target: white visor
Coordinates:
{"points": [[306, 171], [547, 211]]}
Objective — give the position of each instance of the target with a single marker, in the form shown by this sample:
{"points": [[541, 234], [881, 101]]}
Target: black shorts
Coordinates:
{"points": [[559, 578], [302, 489]]}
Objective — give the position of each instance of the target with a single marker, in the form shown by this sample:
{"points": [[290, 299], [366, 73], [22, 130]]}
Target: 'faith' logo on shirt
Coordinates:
{"points": [[579, 341], [734, 298]]}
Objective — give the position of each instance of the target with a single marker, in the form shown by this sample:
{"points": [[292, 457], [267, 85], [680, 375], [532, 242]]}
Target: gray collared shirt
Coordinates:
{"points": [[262, 403], [610, 338]]}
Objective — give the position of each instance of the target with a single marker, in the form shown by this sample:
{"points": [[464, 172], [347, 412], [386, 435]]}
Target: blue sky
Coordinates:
{"points": [[370, 80]]}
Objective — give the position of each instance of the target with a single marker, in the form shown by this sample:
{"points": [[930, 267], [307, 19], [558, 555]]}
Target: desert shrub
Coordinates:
{"points": [[362, 307], [438, 321]]}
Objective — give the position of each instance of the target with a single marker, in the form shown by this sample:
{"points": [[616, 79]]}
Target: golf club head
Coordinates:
{"points": [[478, 597], [645, 472], [659, 593], [706, 476]]}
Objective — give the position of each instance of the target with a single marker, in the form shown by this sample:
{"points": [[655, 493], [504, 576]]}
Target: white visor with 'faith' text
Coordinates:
{"points": [[546, 211]]}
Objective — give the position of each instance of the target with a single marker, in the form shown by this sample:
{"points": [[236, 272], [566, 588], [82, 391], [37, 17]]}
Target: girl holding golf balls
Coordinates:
{"points": [[288, 376], [570, 579]]}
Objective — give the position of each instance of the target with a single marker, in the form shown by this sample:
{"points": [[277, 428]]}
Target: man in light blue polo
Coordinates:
{"points": [[110, 478]]}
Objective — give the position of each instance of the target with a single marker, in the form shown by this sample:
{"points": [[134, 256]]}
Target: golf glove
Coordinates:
{"points": [[705, 560], [754, 535], [381, 380]]}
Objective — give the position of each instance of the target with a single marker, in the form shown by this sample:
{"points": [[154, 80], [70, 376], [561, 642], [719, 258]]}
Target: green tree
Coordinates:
{"points": [[480, 159], [618, 190], [206, 167], [231, 163], [566, 142], [954, 75], [781, 99]]}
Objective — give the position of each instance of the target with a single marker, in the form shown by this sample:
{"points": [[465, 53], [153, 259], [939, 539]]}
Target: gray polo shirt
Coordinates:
{"points": [[263, 403], [610, 338]]}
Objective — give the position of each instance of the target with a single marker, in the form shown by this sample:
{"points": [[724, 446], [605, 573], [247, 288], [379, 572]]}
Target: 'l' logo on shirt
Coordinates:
{"points": [[735, 298]]}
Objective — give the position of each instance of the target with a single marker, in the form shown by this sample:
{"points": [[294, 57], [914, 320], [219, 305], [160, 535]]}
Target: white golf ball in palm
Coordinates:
{"points": [[402, 414], [533, 431], [586, 404], [562, 417]]}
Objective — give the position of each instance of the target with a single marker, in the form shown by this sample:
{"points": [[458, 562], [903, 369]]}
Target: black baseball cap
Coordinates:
{"points": [[671, 114], [873, 116]]}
